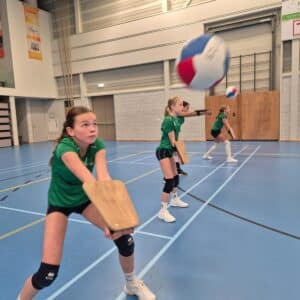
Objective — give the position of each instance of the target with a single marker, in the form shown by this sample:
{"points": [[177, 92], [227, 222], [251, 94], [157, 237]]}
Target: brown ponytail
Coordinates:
{"points": [[69, 122]]}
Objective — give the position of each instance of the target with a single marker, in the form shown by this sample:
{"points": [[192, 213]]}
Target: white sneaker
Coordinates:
{"points": [[205, 156], [231, 160], [139, 289], [176, 201], [166, 216]]}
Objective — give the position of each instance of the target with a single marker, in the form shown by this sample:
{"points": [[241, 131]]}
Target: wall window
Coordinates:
{"points": [[287, 56]]}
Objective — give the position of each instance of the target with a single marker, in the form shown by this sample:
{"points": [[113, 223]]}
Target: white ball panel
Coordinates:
{"points": [[209, 65]]}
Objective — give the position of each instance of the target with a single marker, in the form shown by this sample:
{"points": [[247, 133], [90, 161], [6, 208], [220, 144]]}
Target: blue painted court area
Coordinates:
{"points": [[239, 238]]}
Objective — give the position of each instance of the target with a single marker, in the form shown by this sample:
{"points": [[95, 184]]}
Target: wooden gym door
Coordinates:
{"points": [[253, 116], [103, 107]]}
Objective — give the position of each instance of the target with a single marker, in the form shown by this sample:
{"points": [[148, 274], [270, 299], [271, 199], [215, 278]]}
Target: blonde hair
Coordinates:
{"points": [[171, 102]]}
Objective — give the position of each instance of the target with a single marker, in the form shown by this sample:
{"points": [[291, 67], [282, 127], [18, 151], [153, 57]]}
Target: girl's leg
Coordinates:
{"points": [[221, 138], [229, 159], [178, 167], [124, 242], [217, 140], [175, 200], [54, 235], [167, 166]]}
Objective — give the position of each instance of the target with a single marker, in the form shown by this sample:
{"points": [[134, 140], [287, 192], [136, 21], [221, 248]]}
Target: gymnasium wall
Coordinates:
{"points": [[129, 58], [131, 48], [33, 78], [139, 115], [151, 39], [6, 74]]}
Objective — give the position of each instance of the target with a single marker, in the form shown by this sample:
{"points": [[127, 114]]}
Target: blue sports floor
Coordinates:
{"points": [[238, 240]]}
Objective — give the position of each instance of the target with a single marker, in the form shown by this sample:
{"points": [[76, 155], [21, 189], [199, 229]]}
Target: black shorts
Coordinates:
{"points": [[163, 153], [68, 210], [215, 133]]}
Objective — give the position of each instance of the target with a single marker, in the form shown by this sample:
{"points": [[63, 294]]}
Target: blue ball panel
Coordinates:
{"points": [[195, 46]]}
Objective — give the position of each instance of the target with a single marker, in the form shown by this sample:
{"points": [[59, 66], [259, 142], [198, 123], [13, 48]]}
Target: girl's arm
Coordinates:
{"points": [[195, 113], [76, 166], [101, 165], [228, 127]]}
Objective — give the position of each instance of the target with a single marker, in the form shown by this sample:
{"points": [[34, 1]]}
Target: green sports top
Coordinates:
{"points": [[169, 124], [65, 188], [180, 119], [218, 124]]}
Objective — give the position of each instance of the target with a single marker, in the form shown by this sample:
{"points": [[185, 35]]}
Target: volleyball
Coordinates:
{"points": [[203, 62], [231, 92]]}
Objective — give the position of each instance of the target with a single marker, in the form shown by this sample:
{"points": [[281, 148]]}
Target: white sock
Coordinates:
{"points": [[129, 277], [164, 205], [174, 194], [228, 149], [211, 149]]}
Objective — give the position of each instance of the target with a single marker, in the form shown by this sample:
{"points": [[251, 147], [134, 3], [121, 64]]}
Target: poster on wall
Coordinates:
{"points": [[290, 20], [33, 32], [1, 41]]}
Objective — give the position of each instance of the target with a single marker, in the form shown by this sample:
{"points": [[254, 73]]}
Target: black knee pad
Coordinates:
{"points": [[44, 276], [125, 245], [169, 184], [176, 180]]}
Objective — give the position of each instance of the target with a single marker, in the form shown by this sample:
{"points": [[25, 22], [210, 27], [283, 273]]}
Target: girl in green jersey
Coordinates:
{"points": [[170, 130], [216, 131], [77, 152]]}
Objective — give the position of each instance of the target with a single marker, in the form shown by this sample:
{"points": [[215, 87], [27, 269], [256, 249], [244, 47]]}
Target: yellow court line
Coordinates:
{"points": [[11, 233], [47, 178], [43, 218]]}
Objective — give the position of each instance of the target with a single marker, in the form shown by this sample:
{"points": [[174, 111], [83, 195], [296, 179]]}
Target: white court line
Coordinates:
{"points": [[72, 219], [140, 159], [47, 178], [101, 258], [189, 165], [24, 184], [126, 156], [143, 175], [21, 168], [186, 225], [30, 212], [153, 234]]}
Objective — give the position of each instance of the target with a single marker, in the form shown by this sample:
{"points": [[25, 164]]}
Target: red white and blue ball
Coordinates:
{"points": [[203, 62], [231, 92]]}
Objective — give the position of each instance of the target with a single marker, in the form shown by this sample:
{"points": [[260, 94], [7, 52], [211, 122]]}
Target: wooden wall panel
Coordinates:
{"points": [[260, 117], [254, 115]]}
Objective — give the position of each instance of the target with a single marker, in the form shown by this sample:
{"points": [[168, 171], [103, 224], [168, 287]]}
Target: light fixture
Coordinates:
{"points": [[100, 85]]}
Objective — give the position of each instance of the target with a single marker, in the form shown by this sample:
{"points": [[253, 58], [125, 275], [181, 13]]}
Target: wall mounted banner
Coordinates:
{"points": [[290, 20], [1, 41], [33, 32]]}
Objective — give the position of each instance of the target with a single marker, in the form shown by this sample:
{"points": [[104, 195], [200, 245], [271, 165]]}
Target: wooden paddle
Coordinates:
{"points": [[182, 154], [113, 202]]}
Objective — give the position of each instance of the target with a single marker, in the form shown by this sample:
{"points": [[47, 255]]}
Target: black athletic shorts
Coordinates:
{"points": [[68, 210], [163, 153], [215, 133]]}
